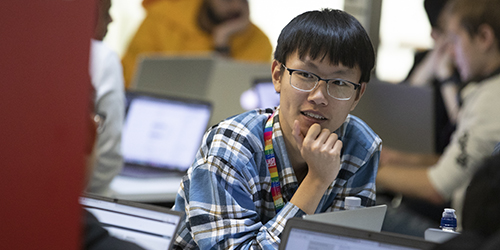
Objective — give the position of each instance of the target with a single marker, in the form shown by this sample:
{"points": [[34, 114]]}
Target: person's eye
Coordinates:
{"points": [[305, 74], [339, 83]]}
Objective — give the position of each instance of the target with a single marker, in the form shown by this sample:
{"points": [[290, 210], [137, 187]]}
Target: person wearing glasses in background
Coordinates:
{"points": [[256, 170]]}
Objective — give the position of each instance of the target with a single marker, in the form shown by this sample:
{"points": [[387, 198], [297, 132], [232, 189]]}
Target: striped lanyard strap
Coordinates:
{"points": [[271, 165]]}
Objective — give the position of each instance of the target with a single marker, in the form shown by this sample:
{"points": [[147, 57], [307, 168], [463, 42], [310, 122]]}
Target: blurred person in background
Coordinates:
{"points": [[222, 27], [473, 30], [107, 78]]}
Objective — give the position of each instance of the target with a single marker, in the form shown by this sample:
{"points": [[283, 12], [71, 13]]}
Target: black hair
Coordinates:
{"points": [[481, 209], [328, 33], [433, 9]]}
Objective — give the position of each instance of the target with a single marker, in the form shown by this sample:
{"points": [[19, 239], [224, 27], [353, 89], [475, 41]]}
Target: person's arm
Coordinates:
{"points": [[406, 173], [223, 32], [110, 103], [390, 156], [321, 149], [449, 91], [408, 180], [437, 64]]}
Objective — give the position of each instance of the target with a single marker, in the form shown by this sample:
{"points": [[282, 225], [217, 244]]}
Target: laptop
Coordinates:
{"points": [[305, 234], [261, 95], [151, 227], [186, 76], [366, 218], [266, 94], [218, 80], [438, 235], [161, 134], [402, 115]]}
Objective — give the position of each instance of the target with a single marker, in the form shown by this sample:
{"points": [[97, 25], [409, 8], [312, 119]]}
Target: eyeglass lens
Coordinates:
{"points": [[337, 88]]}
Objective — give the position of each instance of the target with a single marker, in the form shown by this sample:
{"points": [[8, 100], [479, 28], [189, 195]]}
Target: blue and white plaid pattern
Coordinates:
{"points": [[226, 193]]}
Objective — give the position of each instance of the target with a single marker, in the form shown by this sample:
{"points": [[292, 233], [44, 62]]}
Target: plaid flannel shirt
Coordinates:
{"points": [[226, 193]]}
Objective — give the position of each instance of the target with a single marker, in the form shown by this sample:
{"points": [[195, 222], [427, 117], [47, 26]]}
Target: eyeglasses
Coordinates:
{"points": [[337, 88], [99, 121]]}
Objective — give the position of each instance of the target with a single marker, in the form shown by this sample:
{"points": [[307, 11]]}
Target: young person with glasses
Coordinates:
{"points": [[256, 170]]}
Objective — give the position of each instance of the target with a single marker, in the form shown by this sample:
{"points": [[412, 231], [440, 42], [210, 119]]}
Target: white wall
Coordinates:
{"points": [[127, 16], [404, 27]]}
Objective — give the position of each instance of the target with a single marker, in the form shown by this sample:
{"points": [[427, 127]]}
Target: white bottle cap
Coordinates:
{"points": [[449, 211], [352, 202]]}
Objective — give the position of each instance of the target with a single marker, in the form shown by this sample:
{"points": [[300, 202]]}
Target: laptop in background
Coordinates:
{"points": [[300, 234], [185, 76], [151, 227], [402, 115], [266, 94], [261, 95], [161, 134], [220, 81], [366, 218]]}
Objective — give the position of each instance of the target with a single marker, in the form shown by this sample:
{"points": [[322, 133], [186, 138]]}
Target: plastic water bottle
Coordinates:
{"points": [[449, 220], [352, 202]]}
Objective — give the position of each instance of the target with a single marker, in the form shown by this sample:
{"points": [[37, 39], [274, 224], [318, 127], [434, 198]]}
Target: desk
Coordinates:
{"points": [[149, 190]]}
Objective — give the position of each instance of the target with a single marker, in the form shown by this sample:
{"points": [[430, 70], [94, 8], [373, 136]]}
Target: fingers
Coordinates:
{"points": [[333, 144], [297, 135], [317, 135], [319, 139], [321, 150]]}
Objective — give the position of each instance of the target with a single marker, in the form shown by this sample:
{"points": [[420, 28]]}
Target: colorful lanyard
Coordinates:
{"points": [[271, 165]]}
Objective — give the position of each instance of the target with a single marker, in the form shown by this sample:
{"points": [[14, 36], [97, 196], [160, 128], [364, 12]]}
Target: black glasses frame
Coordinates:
{"points": [[290, 71]]}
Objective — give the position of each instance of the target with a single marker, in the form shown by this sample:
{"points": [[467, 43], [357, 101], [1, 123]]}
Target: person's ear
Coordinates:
{"points": [[277, 72], [485, 37], [359, 94]]}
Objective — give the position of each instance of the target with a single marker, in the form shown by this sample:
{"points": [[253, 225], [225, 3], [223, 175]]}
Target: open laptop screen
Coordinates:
{"points": [[266, 94], [148, 226], [162, 132], [302, 234]]}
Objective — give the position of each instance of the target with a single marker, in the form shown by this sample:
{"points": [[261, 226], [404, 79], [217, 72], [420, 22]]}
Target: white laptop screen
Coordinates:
{"points": [[310, 240], [266, 94], [147, 228], [163, 133], [313, 235]]}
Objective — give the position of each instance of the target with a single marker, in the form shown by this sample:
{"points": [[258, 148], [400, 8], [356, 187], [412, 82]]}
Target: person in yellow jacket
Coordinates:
{"points": [[180, 26]]}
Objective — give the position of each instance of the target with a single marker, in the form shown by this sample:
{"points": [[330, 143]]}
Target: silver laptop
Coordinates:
{"points": [[151, 227], [300, 234], [185, 76], [366, 218], [161, 134], [217, 80], [402, 115]]}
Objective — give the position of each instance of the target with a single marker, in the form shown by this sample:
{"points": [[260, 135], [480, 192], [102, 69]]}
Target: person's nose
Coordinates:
{"points": [[319, 95]]}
